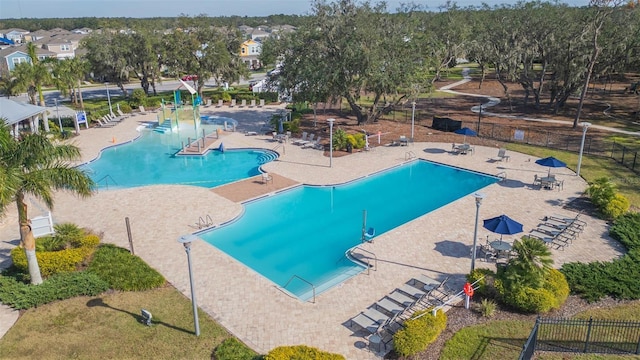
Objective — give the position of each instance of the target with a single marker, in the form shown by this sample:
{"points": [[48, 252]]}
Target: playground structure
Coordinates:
{"points": [[172, 116]]}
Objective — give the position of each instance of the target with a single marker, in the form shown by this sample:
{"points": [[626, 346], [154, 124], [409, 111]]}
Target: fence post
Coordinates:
{"points": [[586, 341], [635, 157], [613, 146]]}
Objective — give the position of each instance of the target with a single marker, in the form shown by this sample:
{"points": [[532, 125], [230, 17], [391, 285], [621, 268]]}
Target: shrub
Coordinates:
{"points": [[529, 300], [53, 262], [601, 191], [618, 278], [124, 107], [226, 97], [300, 352], [339, 140], [233, 349], [356, 141], [482, 287], [488, 308], [557, 284], [138, 97], [618, 206], [419, 332], [59, 287], [626, 229], [124, 271]]}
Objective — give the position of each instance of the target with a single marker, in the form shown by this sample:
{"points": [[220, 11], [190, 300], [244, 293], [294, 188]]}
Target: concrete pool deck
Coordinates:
{"points": [[251, 307]]}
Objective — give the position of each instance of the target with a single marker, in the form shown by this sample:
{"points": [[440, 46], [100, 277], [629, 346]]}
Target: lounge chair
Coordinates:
{"points": [[569, 220], [309, 140], [312, 144], [266, 178], [253, 103], [142, 110], [219, 103], [502, 155], [302, 140], [365, 323], [390, 306], [233, 103], [261, 103], [243, 103], [122, 115], [401, 298], [412, 291], [113, 118], [101, 123]]}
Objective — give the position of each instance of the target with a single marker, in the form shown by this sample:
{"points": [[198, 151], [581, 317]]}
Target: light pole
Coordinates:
{"points": [[58, 112], [331, 141], [478, 197], [109, 98], [413, 117], [585, 126], [186, 240]]}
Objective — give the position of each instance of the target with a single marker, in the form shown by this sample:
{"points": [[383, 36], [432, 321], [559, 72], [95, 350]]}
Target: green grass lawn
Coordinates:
{"points": [[109, 326], [504, 339], [592, 168]]}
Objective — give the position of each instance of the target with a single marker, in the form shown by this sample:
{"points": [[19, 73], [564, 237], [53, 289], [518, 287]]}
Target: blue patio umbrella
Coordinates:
{"points": [[466, 131], [550, 162], [502, 225]]}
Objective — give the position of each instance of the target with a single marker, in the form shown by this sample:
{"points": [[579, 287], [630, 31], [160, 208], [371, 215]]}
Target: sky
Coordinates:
{"points": [[171, 8]]}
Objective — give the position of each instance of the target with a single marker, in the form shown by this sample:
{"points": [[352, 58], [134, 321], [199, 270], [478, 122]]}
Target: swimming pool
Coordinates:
{"points": [[300, 236], [151, 160]]}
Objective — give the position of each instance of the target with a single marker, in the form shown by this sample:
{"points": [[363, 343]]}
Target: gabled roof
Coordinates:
{"points": [[23, 49], [13, 112]]}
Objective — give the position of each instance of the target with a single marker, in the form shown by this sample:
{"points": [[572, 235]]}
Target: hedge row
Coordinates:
{"points": [[300, 352], [618, 278], [123, 271]]}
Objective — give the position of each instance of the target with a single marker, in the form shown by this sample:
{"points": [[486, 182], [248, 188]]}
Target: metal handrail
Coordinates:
{"points": [[209, 220], [279, 146], [456, 296], [106, 178], [409, 155], [375, 258], [312, 286]]}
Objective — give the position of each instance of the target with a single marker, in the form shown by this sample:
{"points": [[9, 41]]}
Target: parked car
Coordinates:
{"points": [[190, 78]]}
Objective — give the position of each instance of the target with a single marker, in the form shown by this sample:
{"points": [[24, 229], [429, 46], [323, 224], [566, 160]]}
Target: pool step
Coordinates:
{"points": [[165, 127]]}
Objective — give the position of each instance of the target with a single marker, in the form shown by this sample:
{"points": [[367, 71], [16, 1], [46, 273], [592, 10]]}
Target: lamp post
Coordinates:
{"points": [[331, 141], [413, 116], [478, 197], [58, 113], [585, 126], [109, 98], [186, 240], [479, 117]]}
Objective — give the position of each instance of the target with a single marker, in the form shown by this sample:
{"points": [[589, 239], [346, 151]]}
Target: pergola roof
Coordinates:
{"points": [[13, 112]]}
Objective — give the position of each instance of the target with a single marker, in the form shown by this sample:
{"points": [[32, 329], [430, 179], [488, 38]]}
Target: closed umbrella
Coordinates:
{"points": [[550, 162], [466, 131], [502, 225]]}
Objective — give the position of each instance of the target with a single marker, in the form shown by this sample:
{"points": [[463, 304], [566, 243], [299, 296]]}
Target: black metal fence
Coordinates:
{"points": [[583, 335], [567, 140]]}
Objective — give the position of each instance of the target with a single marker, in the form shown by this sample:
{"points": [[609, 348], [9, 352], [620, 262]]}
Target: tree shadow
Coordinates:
{"points": [[508, 183], [454, 249], [99, 302]]}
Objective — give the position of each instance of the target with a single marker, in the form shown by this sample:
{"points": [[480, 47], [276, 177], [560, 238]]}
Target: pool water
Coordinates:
{"points": [[300, 236], [151, 160]]}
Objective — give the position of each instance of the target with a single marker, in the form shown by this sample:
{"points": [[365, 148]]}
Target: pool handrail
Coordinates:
{"points": [[106, 181], [353, 258], [312, 286]]}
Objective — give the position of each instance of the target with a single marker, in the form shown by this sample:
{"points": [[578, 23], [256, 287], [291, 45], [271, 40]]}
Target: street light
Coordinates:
{"points": [[186, 240], [58, 112], [585, 126], [413, 116], [478, 197], [109, 98], [331, 141]]}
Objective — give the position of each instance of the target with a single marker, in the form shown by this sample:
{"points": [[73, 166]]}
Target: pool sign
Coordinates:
{"points": [[81, 118]]}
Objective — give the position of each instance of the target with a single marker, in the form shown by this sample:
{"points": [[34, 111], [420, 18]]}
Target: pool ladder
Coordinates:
{"points": [[204, 223], [313, 288], [365, 260], [409, 155], [106, 179]]}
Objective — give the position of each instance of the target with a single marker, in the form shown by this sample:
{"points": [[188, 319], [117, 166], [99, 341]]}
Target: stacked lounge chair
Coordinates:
{"points": [[558, 230]]}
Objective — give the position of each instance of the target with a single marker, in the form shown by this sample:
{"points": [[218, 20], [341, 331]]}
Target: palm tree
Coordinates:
{"points": [[33, 165], [531, 263]]}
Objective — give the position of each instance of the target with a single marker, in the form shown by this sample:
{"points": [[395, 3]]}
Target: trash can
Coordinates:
{"points": [[349, 148]]}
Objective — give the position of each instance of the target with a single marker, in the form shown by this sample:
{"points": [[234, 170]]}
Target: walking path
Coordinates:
{"points": [[254, 309], [493, 101]]}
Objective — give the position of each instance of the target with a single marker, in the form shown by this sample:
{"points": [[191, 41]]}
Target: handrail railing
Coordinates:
{"points": [[409, 155], [312, 286], [455, 297], [375, 258], [106, 181], [204, 222], [281, 145]]}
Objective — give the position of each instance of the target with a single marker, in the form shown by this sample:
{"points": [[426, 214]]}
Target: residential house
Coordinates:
{"points": [[15, 35], [14, 55], [64, 45], [82, 31], [278, 30], [249, 52], [259, 34]]}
